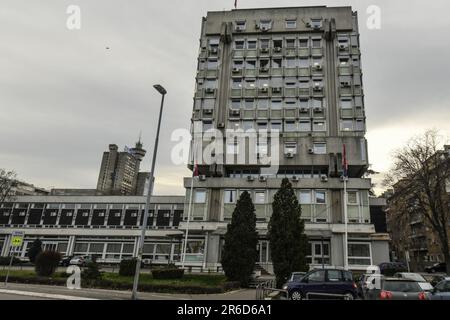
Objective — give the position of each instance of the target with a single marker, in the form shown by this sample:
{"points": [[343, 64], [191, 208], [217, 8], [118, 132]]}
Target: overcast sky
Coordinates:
{"points": [[64, 96]]}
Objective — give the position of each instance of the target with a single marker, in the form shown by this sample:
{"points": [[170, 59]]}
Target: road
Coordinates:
{"points": [[9, 296], [55, 292]]}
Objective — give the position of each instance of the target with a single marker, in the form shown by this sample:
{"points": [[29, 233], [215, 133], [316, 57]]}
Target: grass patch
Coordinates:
{"points": [[190, 283]]}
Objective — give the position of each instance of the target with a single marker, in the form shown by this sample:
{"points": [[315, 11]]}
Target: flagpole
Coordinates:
{"points": [[189, 211], [345, 226]]}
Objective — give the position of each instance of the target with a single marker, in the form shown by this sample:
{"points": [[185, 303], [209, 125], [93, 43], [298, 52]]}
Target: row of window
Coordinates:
{"points": [[305, 197], [276, 103], [289, 43], [267, 24], [121, 206]]}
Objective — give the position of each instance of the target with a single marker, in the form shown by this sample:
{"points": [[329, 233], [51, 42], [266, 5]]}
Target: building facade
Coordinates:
{"points": [[105, 226], [119, 171], [295, 72]]}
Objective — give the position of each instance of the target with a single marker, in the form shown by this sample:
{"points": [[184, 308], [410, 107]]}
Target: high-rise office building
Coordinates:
{"points": [[119, 172], [295, 72]]}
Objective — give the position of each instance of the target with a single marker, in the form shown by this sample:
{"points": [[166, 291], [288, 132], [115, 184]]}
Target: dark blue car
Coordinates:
{"points": [[324, 283]]}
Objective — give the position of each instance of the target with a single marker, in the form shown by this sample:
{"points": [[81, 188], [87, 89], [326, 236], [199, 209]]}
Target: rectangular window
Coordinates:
{"points": [[346, 104], [247, 125], [359, 254], [303, 62], [264, 43], [275, 125], [239, 44], [305, 125], [249, 103], [317, 103], [278, 44], [212, 64], [207, 125], [250, 64], [305, 197], [200, 196], [320, 148], [319, 126], [233, 124], [236, 83], [263, 83], [359, 125], [291, 23], [290, 147], [346, 125], [290, 103], [251, 44], [262, 125], [291, 62], [240, 25], [320, 197], [276, 63], [275, 104], [209, 104], [265, 24], [250, 83], [238, 64], [303, 43], [304, 103], [290, 126], [263, 103], [316, 43], [290, 43], [260, 197], [230, 196], [235, 103], [352, 197]]}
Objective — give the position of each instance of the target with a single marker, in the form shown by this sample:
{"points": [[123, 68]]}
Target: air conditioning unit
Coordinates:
{"points": [[214, 50], [277, 49], [308, 25], [262, 179], [317, 109], [209, 90], [303, 109], [236, 112], [264, 69], [317, 66], [208, 111], [239, 28], [264, 28], [263, 90], [202, 177], [289, 155], [345, 84], [343, 46], [265, 50], [323, 178], [316, 27], [250, 178], [236, 70], [221, 125], [317, 87], [276, 89], [311, 151], [295, 179]]}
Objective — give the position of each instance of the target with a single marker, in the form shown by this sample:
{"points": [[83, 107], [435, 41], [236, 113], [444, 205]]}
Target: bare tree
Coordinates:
{"points": [[7, 184], [421, 170]]}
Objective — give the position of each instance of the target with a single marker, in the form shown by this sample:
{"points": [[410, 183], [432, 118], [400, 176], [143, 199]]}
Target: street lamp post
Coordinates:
{"points": [[163, 92]]}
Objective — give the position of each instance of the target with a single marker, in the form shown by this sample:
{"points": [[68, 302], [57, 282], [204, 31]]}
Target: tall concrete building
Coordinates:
{"points": [[119, 171], [295, 72]]}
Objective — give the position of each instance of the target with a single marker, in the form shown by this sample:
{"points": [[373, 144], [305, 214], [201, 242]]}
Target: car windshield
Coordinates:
{"points": [[401, 286], [297, 277], [413, 276]]}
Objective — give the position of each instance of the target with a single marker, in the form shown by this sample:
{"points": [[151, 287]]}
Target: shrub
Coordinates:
{"points": [[92, 271], [128, 267], [168, 273], [47, 262], [35, 249], [4, 261]]}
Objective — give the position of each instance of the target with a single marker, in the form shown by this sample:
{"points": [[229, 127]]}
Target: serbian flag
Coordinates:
{"points": [[344, 161], [195, 174]]}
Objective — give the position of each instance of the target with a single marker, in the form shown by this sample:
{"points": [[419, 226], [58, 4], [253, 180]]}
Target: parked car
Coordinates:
{"points": [[441, 291], [323, 283], [397, 289], [437, 267], [65, 261], [364, 281], [295, 276], [389, 268], [81, 261], [424, 284]]}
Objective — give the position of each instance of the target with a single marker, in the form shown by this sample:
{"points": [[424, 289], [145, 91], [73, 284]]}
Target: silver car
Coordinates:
{"points": [[397, 289], [441, 291], [424, 284]]}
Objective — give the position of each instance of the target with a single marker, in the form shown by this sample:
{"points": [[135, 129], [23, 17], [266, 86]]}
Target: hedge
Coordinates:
{"points": [[112, 285], [167, 273], [4, 261]]}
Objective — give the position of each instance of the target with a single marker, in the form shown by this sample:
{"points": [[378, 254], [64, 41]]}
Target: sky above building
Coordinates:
{"points": [[65, 95]]}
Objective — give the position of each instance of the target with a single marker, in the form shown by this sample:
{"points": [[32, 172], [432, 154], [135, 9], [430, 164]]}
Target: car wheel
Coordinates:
{"points": [[296, 295], [349, 296]]}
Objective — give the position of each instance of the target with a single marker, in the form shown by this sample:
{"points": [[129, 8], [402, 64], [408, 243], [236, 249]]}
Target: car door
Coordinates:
{"points": [[315, 283], [334, 282]]}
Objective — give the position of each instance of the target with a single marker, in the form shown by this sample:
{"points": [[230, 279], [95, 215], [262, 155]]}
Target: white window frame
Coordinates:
{"points": [[198, 192], [360, 257]]}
